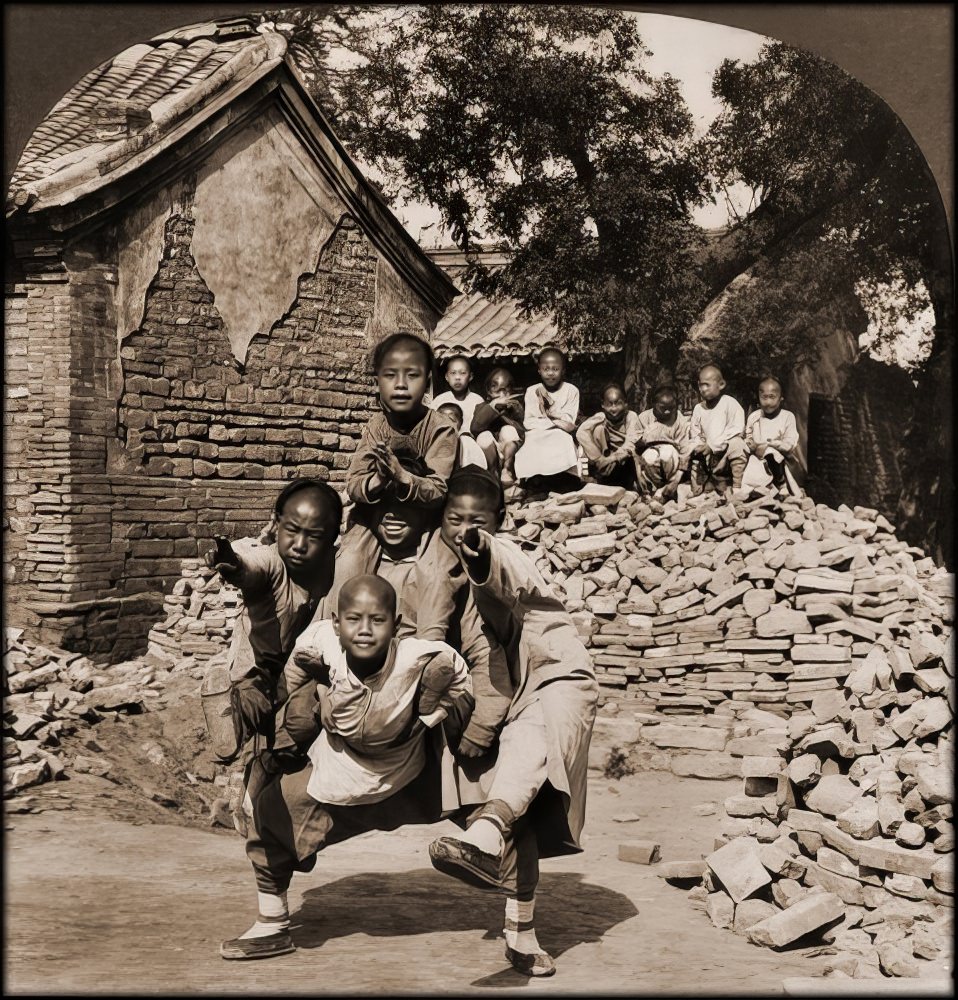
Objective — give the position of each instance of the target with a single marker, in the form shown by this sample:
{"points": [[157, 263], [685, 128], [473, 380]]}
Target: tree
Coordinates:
{"points": [[539, 128], [841, 186]]}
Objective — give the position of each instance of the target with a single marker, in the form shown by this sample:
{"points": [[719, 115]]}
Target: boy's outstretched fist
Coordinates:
{"points": [[222, 558], [475, 553]]}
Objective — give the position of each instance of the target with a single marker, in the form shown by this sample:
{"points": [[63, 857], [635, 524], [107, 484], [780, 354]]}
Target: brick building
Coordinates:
{"points": [[196, 274], [496, 333]]}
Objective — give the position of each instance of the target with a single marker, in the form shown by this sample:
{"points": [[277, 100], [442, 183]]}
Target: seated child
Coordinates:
{"points": [[772, 437], [458, 372], [664, 445], [717, 433], [469, 451], [530, 798], [608, 440], [551, 410], [281, 584], [497, 424], [402, 364], [370, 701]]}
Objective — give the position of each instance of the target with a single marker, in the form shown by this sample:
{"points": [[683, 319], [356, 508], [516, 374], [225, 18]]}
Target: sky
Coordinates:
{"points": [[690, 51]]}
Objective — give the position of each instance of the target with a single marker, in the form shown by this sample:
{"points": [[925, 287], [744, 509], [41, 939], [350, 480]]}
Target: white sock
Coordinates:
{"points": [[519, 931], [485, 834], [273, 916]]}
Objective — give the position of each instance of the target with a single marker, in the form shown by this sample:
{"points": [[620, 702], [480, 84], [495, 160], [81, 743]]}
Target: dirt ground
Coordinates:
{"points": [[103, 896]]}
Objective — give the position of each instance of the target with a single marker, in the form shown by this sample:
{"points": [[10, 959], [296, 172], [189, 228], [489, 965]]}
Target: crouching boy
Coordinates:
{"points": [[363, 701]]}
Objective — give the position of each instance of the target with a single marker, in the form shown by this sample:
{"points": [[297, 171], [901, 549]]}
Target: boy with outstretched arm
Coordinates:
{"points": [[529, 799], [282, 583]]}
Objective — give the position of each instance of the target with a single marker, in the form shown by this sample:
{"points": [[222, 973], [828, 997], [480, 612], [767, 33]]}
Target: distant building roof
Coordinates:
{"points": [[489, 328]]}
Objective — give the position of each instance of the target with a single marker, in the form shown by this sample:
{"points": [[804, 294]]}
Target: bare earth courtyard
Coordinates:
{"points": [[99, 904]]}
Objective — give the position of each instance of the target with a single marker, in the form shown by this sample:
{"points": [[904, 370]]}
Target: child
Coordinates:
{"points": [[608, 440], [664, 445], [497, 424], [469, 451], [772, 437], [402, 364], [377, 695], [531, 797], [458, 377], [281, 584], [551, 410], [717, 432]]}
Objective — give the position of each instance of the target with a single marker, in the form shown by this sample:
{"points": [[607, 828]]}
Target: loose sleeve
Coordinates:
{"points": [[750, 423], [440, 449], [632, 432], [361, 465], [491, 683], [259, 568], [568, 409], [789, 437], [585, 435]]}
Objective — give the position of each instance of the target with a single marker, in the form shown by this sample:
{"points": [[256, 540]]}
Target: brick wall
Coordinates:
{"points": [[297, 404]]}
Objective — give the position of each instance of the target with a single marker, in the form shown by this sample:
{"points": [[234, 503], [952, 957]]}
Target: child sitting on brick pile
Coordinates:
{"points": [[772, 437], [664, 446], [281, 584], [609, 438], [458, 373], [368, 710], [717, 432], [497, 425], [402, 364], [469, 451], [529, 800], [548, 456]]}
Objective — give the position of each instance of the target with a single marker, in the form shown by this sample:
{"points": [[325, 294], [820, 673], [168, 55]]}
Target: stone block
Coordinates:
{"points": [[813, 912], [833, 794], [848, 889], [639, 852], [860, 820], [720, 909], [713, 765], [739, 868], [680, 871], [687, 738], [780, 621], [750, 912]]}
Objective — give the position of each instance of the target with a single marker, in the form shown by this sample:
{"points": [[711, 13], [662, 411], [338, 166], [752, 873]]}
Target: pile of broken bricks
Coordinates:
{"points": [[763, 602], [50, 693], [844, 827]]}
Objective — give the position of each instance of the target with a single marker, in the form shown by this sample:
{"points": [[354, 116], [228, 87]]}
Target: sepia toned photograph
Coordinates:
{"points": [[478, 505]]}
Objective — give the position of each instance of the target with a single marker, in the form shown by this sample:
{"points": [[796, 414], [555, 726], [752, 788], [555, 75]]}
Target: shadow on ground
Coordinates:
{"points": [[569, 911]]}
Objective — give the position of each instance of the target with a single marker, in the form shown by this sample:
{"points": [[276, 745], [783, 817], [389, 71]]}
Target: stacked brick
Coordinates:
{"points": [[296, 405], [845, 821], [200, 614], [764, 603]]}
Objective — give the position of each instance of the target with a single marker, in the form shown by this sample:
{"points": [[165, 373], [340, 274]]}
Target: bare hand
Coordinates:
{"points": [[760, 450], [222, 558], [702, 449], [475, 553], [387, 465], [605, 465], [469, 749]]}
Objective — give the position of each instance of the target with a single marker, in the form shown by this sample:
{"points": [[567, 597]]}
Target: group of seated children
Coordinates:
{"points": [[357, 675], [534, 441]]}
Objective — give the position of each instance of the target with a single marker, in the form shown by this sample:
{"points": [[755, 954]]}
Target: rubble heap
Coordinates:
{"points": [[764, 603], [845, 822], [51, 693]]}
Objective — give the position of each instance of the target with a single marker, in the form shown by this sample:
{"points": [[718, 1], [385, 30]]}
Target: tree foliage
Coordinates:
{"points": [[540, 129], [834, 171]]}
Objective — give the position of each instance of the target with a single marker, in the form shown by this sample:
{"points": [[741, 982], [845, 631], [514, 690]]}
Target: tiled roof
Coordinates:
{"points": [[139, 92], [489, 328]]}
